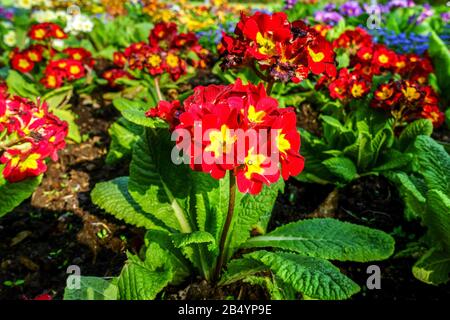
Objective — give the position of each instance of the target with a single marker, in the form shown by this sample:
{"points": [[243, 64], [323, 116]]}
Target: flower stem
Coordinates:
{"points": [[269, 87], [158, 89], [226, 227]]}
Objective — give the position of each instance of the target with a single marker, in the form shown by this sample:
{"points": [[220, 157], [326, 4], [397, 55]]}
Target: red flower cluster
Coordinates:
{"points": [[239, 128], [347, 85], [166, 51], [408, 100], [46, 31], [30, 134], [69, 65], [113, 75], [372, 59], [24, 61], [284, 51], [58, 71]]}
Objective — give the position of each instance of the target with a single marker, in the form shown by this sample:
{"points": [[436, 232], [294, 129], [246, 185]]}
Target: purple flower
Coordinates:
{"points": [[6, 13], [426, 13], [445, 16], [289, 4], [351, 9], [400, 4], [329, 7], [328, 17]]}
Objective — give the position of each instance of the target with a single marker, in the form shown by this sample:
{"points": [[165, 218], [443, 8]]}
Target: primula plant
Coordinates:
{"points": [[179, 150], [29, 134], [167, 53], [204, 177]]}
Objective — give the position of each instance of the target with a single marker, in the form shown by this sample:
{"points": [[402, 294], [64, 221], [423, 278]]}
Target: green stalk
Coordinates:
{"points": [[226, 227]]}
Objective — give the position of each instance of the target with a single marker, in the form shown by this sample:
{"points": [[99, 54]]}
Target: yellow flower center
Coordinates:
{"points": [[411, 93], [33, 56], [51, 81], [255, 116], [39, 33], [385, 93], [77, 56], [220, 141], [23, 63], [383, 59], [282, 143], [266, 45], [357, 90], [154, 60], [74, 70], [253, 163], [316, 57], [30, 162], [172, 60]]}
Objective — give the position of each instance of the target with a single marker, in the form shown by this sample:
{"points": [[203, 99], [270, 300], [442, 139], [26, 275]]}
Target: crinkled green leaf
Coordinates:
{"points": [[93, 288], [437, 217], [313, 277], [157, 184], [239, 269], [124, 135], [13, 194], [113, 197], [328, 239], [161, 250], [138, 281], [434, 163], [413, 130], [433, 267], [341, 167]]}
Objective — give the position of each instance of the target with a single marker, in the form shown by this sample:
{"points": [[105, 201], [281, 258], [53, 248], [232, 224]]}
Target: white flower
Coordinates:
{"points": [[58, 44], [44, 16], [25, 4], [10, 38], [79, 23]]}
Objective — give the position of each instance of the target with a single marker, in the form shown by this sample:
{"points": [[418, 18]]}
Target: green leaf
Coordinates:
{"points": [[13, 194], [393, 159], [69, 116], [137, 281], [328, 239], [56, 98], [113, 197], [181, 240], [19, 86], [124, 135], [276, 288], [161, 250], [313, 277], [413, 130], [433, 267], [92, 288], [441, 60], [134, 111], [434, 163], [437, 217], [210, 202], [341, 167], [239, 269], [157, 184], [248, 211], [414, 200]]}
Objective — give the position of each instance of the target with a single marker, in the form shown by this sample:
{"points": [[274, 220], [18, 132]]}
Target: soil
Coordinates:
{"points": [[60, 226]]}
